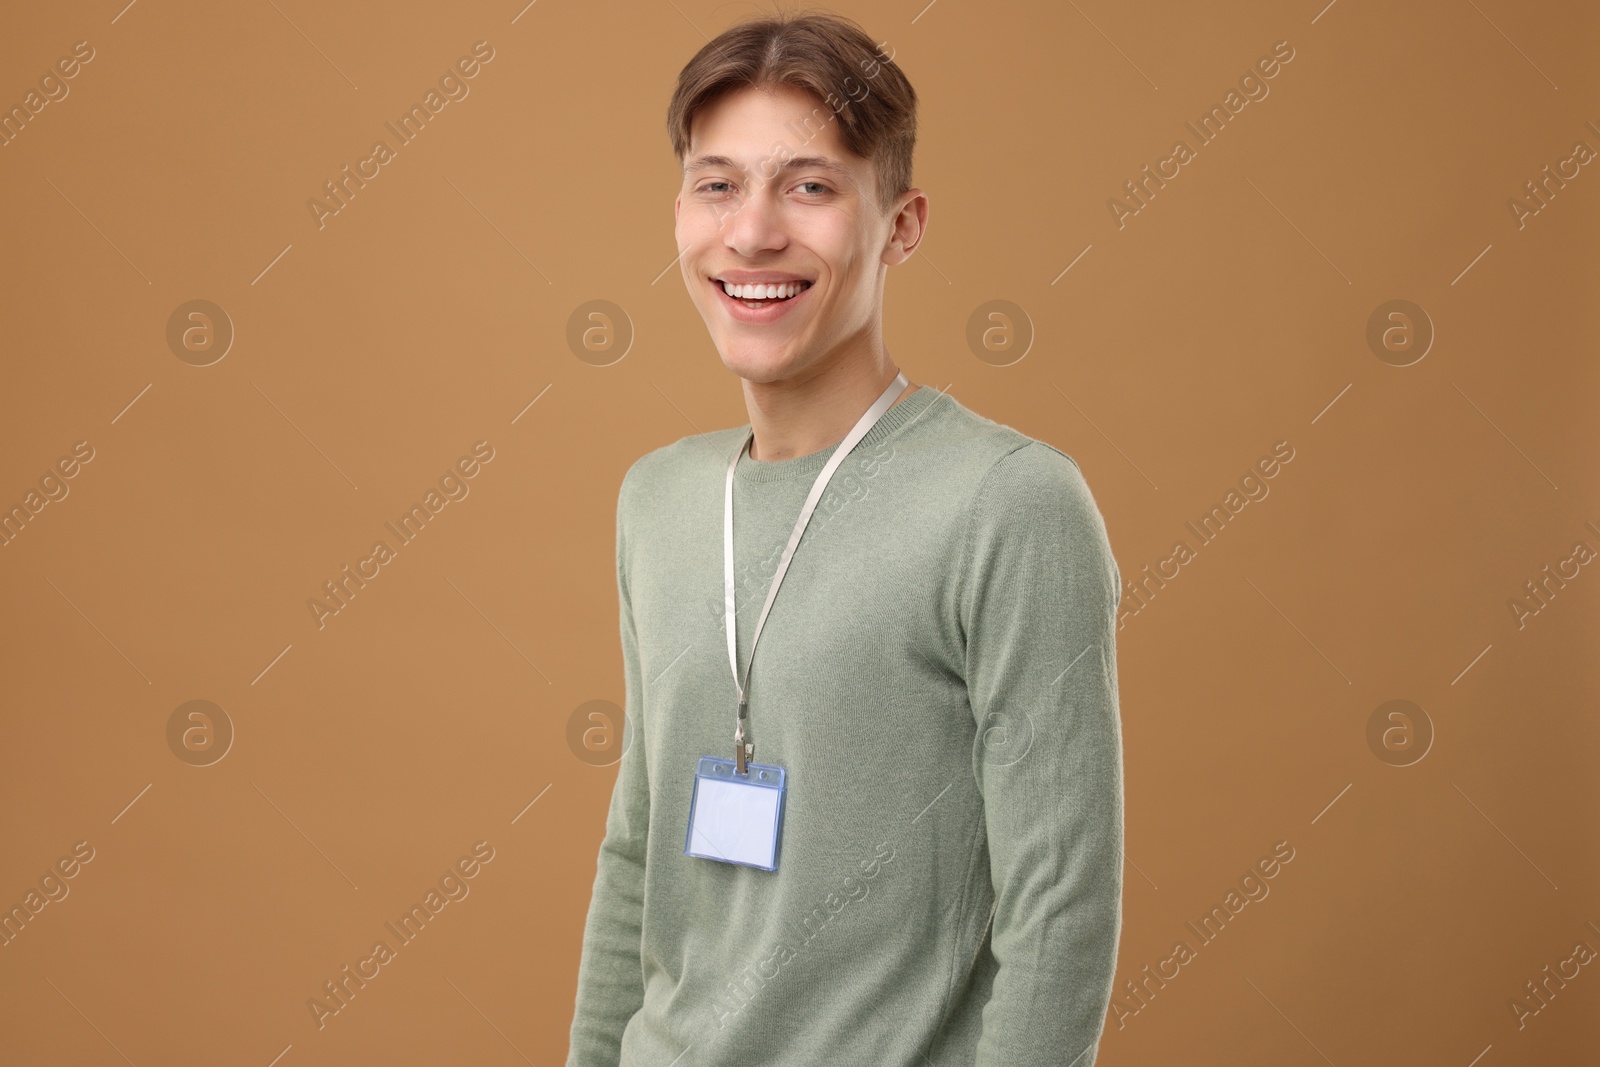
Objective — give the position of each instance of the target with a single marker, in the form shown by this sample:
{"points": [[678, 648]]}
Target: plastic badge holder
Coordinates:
{"points": [[736, 819]]}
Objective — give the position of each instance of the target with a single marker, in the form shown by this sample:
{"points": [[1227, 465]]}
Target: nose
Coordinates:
{"points": [[756, 223]]}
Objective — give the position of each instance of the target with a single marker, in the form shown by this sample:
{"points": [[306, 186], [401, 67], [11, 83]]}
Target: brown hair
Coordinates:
{"points": [[830, 57]]}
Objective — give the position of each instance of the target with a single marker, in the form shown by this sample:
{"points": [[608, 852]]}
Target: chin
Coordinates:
{"points": [[760, 363]]}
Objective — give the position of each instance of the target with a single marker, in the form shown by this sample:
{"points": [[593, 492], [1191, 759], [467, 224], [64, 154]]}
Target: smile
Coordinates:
{"points": [[760, 304]]}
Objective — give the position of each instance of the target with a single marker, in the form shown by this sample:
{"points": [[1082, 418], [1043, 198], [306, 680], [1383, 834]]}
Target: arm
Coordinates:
{"points": [[1039, 598], [610, 972]]}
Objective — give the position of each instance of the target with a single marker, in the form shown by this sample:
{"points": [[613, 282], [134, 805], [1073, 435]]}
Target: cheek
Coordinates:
{"points": [[847, 255], [854, 277], [690, 219], [699, 228]]}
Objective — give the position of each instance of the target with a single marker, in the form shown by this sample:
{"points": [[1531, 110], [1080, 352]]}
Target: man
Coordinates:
{"points": [[939, 878]]}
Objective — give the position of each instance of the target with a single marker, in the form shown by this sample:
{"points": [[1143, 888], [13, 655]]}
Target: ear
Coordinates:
{"points": [[909, 226]]}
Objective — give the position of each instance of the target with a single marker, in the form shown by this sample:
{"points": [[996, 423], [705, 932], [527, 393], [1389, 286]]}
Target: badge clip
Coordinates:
{"points": [[742, 750]]}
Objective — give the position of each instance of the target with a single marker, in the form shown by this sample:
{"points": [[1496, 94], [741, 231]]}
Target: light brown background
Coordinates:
{"points": [[371, 353]]}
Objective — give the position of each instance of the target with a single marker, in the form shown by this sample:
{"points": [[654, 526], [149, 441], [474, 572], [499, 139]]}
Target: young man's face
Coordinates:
{"points": [[751, 210]]}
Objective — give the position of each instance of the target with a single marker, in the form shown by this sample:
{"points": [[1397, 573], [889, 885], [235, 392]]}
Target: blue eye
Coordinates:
{"points": [[819, 185]]}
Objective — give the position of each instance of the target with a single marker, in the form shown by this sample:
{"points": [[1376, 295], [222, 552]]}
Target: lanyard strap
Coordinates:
{"points": [[744, 750]]}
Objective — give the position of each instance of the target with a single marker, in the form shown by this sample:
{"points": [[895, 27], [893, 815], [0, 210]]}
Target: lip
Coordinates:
{"points": [[756, 316]]}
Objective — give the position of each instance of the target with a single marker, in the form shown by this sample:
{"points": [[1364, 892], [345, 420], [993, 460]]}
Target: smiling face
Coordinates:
{"points": [[770, 198]]}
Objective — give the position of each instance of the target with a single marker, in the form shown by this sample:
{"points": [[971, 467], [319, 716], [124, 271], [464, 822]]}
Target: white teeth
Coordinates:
{"points": [[763, 292]]}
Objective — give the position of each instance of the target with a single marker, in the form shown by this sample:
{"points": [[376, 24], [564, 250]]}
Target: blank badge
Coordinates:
{"points": [[734, 818]]}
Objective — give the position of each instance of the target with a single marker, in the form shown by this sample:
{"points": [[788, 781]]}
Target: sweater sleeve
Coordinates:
{"points": [[610, 972], [1039, 598]]}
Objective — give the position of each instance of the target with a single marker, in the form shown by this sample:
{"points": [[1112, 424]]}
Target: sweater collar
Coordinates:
{"points": [[809, 465]]}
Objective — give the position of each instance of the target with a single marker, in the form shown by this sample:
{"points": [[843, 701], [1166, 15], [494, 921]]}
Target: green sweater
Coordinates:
{"points": [[939, 681]]}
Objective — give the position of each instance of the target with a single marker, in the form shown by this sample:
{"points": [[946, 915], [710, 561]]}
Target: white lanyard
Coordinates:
{"points": [[744, 750]]}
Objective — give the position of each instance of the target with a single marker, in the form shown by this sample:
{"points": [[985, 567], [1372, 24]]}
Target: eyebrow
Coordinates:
{"points": [[796, 163]]}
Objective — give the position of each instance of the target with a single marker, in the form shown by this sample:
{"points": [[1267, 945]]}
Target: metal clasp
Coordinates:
{"points": [[742, 750]]}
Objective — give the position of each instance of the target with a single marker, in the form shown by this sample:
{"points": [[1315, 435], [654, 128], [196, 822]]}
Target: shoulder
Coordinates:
{"points": [[1036, 493], [973, 449], [1034, 525], [1031, 498], [1028, 461], [662, 472], [1032, 474], [1009, 466]]}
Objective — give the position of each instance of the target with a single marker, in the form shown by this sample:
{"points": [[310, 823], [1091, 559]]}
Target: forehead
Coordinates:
{"points": [[750, 129]]}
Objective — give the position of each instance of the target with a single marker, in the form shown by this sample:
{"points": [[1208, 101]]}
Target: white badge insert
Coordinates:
{"points": [[736, 818]]}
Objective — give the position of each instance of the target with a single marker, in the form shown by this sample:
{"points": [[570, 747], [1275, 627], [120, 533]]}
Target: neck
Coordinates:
{"points": [[796, 417]]}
